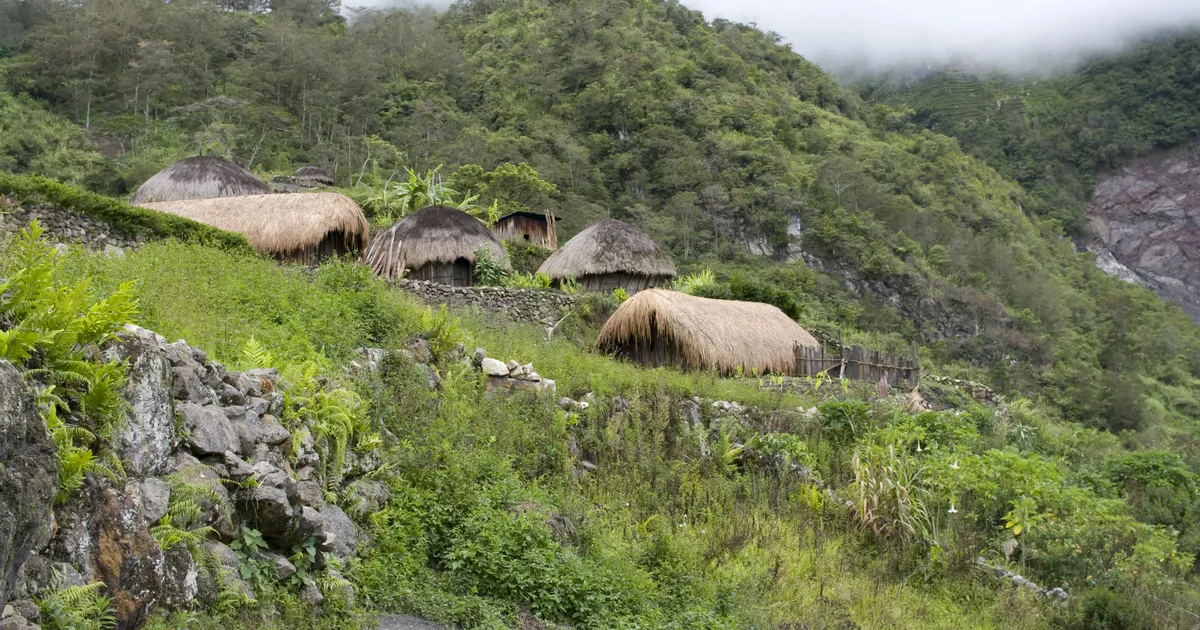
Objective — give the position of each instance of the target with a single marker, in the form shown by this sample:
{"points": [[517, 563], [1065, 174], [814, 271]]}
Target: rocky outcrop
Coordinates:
{"points": [[27, 476], [522, 305], [1145, 222], [148, 435], [195, 431]]}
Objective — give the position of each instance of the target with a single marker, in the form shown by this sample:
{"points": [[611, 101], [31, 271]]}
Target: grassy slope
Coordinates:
{"points": [[672, 538]]}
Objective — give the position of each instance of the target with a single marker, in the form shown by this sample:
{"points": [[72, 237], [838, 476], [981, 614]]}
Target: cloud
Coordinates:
{"points": [[1023, 35], [1026, 35]]}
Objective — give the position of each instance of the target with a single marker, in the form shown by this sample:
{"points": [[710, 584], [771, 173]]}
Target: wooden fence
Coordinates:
{"points": [[859, 364]]}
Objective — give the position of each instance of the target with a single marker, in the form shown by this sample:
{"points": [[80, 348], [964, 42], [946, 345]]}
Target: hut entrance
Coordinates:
{"points": [[459, 273]]}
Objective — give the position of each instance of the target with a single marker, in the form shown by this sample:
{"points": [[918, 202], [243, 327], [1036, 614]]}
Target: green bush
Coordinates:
{"points": [[524, 256]]}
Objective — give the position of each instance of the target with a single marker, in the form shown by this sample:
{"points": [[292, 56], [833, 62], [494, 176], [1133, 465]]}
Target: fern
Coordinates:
{"points": [[76, 607], [50, 331], [334, 417], [188, 502], [255, 355]]}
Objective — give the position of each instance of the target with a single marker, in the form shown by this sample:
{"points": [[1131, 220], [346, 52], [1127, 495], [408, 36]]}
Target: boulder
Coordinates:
{"points": [[153, 496], [210, 432], [284, 569], [181, 578], [310, 493], [493, 367], [270, 431], [229, 395], [28, 476], [341, 535], [186, 385], [103, 535], [226, 556], [149, 432], [267, 378], [257, 405], [367, 496], [273, 506]]}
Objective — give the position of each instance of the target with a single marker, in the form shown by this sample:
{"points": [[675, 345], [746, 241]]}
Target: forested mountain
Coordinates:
{"points": [[1054, 134], [943, 211], [714, 136]]}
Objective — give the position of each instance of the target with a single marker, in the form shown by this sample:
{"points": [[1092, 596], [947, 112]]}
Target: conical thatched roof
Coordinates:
{"points": [[314, 174], [715, 334], [203, 177], [435, 234], [610, 246], [280, 225]]}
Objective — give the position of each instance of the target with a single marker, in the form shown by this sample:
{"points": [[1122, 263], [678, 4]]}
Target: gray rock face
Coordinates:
{"points": [[27, 476], [341, 535], [104, 535], [273, 507], [270, 432], [1147, 216], [149, 433], [210, 431], [153, 495], [186, 385]]}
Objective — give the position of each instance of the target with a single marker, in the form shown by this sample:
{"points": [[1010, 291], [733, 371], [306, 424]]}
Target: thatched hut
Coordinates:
{"points": [[313, 176], [530, 227], [437, 243], [203, 177], [305, 228], [659, 327], [609, 255]]}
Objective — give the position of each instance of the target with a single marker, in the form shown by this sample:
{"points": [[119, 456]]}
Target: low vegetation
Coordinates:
{"points": [[490, 518]]}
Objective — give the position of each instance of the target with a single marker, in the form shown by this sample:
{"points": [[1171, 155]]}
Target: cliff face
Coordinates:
{"points": [[1145, 218]]}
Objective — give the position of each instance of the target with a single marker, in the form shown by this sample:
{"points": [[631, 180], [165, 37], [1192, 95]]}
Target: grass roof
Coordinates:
{"points": [[437, 234], [610, 246], [278, 224], [717, 334], [202, 177]]}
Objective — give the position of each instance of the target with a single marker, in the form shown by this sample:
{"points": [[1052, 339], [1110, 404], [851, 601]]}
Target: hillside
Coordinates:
{"points": [[857, 219], [1103, 151]]}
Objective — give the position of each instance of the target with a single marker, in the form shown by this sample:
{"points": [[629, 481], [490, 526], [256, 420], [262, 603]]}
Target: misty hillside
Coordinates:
{"points": [[942, 212]]}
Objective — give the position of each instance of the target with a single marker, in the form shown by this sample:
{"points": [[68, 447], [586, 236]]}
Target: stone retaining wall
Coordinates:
{"points": [[62, 226], [541, 306]]}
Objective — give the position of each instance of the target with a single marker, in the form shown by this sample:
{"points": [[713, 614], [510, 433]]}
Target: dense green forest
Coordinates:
{"points": [[855, 215]]}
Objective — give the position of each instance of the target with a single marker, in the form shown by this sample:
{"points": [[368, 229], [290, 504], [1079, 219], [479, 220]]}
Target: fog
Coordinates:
{"points": [[1021, 35]]}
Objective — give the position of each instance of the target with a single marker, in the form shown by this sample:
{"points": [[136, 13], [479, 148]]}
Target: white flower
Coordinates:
{"points": [[918, 446], [954, 466], [952, 509]]}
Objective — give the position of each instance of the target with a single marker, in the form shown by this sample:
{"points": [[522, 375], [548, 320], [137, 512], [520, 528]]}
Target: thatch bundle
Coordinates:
{"points": [[658, 327], [611, 249], [305, 227], [431, 240], [203, 177], [313, 175]]}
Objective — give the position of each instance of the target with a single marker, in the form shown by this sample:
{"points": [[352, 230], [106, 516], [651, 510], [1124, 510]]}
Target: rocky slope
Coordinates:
{"points": [[1145, 219]]}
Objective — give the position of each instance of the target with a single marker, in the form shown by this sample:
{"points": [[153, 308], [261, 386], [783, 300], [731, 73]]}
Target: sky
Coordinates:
{"points": [[1017, 35]]}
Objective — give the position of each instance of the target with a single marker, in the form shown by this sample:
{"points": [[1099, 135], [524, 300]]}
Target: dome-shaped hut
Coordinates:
{"points": [[305, 228], [437, 243], [202, 177], [609, 255], [659, 327], [312, 176]]}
